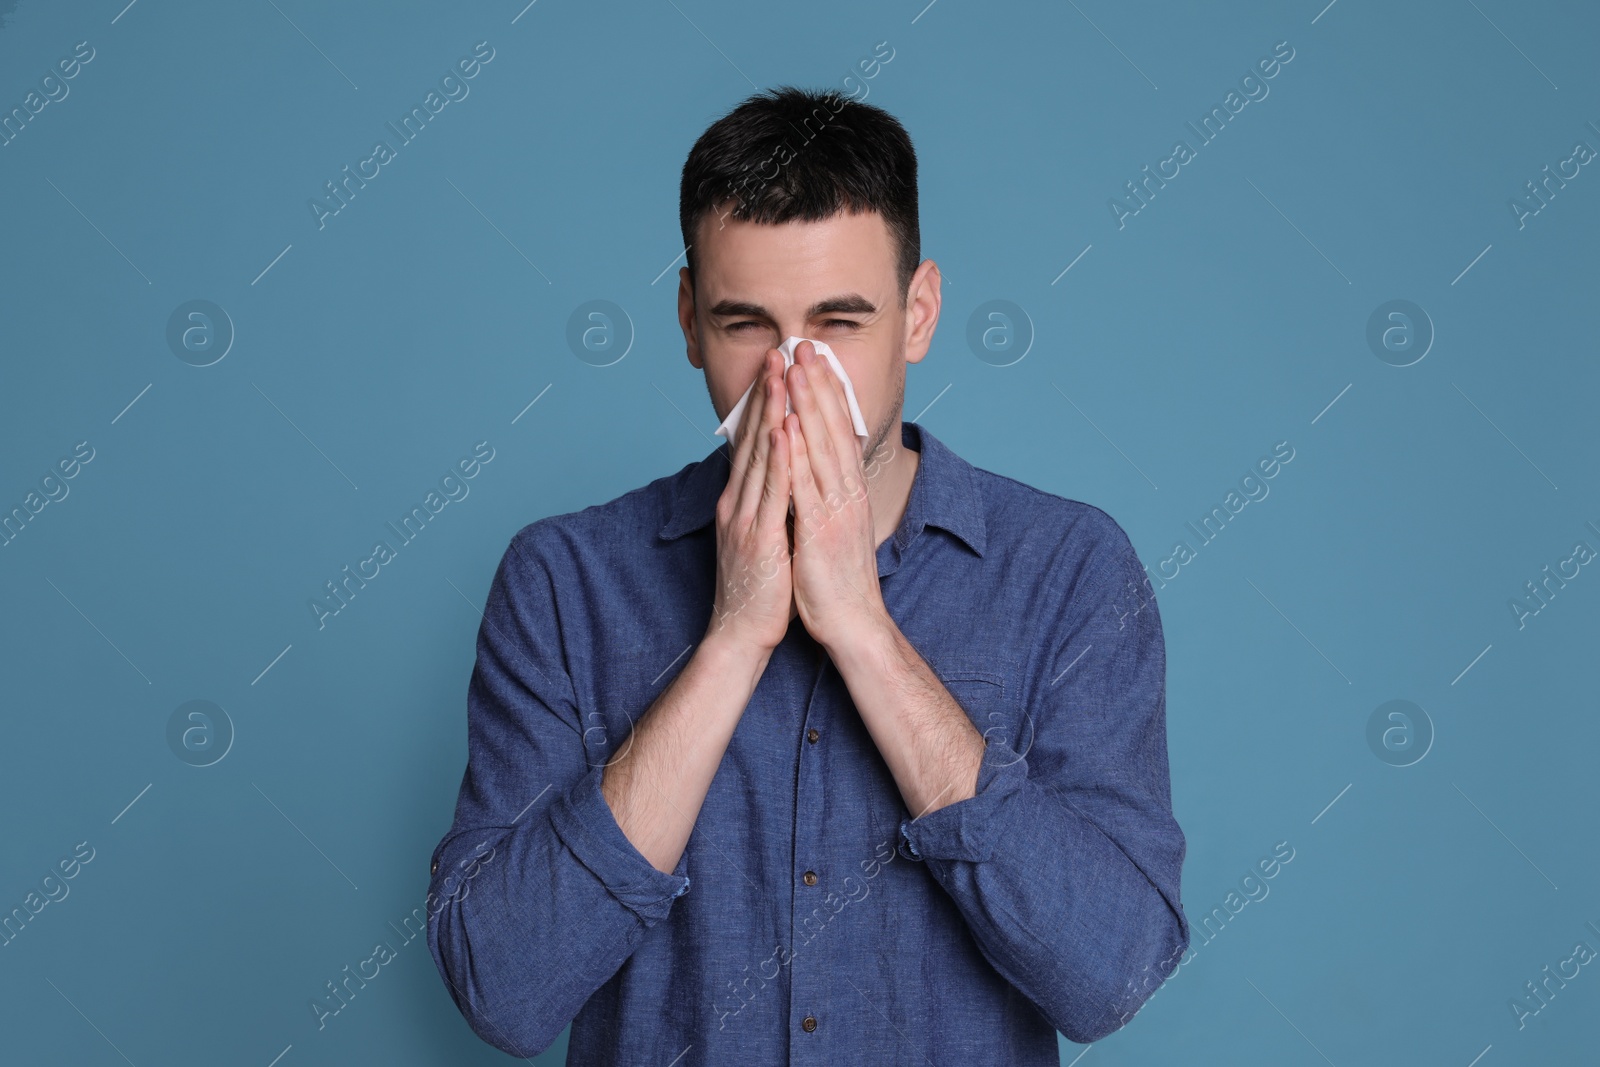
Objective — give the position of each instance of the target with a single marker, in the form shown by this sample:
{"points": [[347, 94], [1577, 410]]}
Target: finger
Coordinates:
{"points": [[765, 410], [831, 399], [847, 446], [802, 483], [748, 434], [774, 510], [749, 425], [821, 447], [835, 398], [751, 472]]}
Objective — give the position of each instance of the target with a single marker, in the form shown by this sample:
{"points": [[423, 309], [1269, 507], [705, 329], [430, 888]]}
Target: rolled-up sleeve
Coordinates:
{"points": [[537, 897], [1066, 862]]}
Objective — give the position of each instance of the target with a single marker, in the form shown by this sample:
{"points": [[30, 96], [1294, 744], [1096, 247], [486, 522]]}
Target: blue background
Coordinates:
{"points": [[372, 353]]}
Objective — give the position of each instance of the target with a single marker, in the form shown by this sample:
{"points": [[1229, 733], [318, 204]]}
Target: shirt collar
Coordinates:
{"points": [[944, 493]]}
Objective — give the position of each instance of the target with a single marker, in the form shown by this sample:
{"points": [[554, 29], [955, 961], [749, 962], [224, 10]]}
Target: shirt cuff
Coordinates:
{"points": [[584, 822], [969, 829]]}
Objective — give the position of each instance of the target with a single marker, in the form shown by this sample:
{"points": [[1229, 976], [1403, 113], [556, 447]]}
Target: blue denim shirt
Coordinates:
{"points": [[811, 919]]}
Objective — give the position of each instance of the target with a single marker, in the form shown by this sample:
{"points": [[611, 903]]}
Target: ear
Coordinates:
{"points": [[922, 310], [686, 319]]}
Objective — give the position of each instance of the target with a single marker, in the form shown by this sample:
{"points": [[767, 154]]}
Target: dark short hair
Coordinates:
{"points": [[788, 154]]}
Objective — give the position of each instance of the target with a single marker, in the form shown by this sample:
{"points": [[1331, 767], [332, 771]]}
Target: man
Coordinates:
{"points": [[909, 745]]}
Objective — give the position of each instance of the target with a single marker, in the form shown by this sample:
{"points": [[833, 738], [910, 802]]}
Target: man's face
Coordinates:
{"points": [[832, 281]]}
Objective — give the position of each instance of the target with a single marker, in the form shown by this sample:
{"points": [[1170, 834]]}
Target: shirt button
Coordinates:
{"points": [[435, 868], [810, 877], [812, 735], [809, 1023]]}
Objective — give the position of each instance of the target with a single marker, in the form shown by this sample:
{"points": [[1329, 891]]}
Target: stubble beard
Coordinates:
{"points": [[881, 433]]}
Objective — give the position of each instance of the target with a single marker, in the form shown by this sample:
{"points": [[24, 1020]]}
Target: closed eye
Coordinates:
{"points": [[826, 322]]}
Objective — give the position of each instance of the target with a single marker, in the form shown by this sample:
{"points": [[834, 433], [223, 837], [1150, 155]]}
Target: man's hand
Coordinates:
{"points": [[835, 547], [754, 598]]}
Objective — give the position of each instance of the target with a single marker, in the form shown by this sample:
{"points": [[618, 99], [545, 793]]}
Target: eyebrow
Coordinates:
{"points": [[847, 304]]}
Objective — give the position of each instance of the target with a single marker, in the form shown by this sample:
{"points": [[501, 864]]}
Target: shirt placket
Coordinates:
{"points": [[810, 1020], [808, 1014]]}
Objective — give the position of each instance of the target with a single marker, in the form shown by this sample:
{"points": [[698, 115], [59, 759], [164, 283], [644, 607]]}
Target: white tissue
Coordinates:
{"points": [[730, 425]]}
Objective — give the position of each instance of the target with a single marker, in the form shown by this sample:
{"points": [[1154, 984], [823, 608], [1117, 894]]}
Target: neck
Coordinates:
{"points": [[890, 471]]}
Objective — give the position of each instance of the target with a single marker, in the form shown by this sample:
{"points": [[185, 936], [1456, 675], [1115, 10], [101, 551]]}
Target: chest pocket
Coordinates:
{"points": [[992, 702]]}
